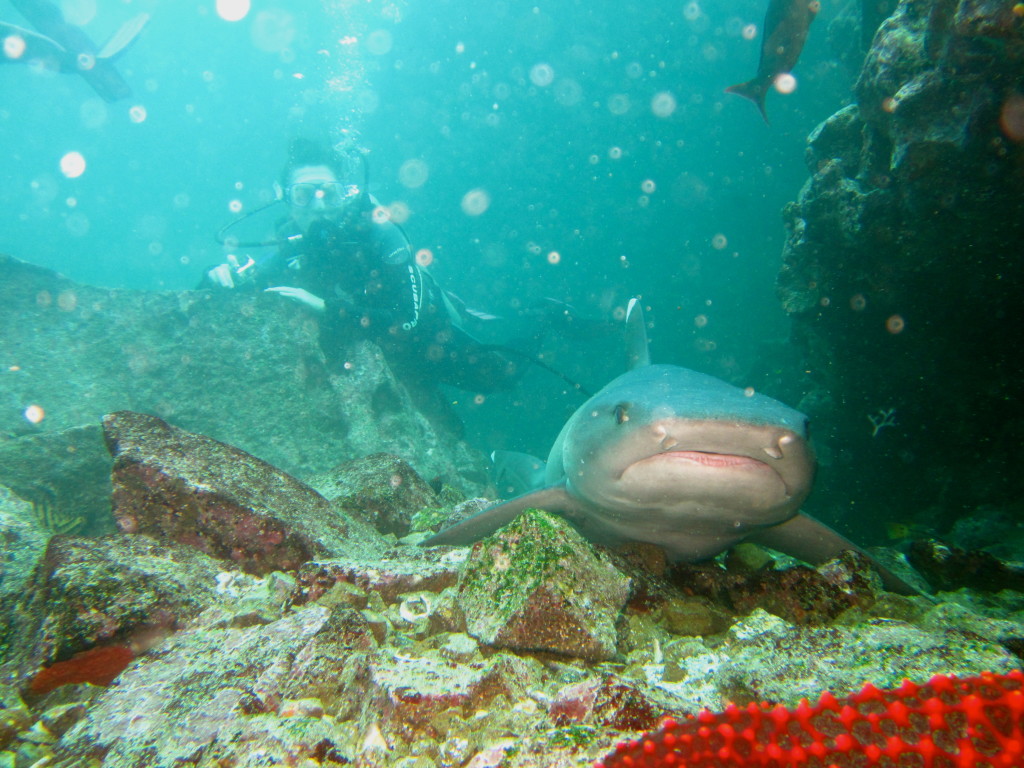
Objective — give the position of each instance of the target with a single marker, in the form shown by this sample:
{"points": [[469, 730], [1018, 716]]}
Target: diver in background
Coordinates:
{"points": [[359, 274]]}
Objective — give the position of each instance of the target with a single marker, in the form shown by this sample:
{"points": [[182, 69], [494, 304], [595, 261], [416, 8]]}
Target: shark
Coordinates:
{"points": [[677, 458], [64, 47]]}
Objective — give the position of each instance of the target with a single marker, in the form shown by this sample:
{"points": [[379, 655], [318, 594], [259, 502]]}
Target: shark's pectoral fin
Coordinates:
{"points": [[804, 537], [487, 521]]}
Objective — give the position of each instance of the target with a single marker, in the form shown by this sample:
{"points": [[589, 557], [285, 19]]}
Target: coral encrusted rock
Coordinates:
{"points": [[180, 486], [538, 585], [89, 592]]}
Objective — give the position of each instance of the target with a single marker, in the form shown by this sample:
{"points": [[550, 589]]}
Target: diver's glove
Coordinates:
{"points": [[300, 295], [232, 273]]}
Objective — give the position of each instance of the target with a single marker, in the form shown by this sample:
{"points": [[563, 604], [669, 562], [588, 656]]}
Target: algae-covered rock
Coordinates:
{"points": [[947, 567], [381, 489], [769, 659], [22, 540], [88, 592], [407, 569], [409, 698], [539, 585], [180, 486], [194, 695]]}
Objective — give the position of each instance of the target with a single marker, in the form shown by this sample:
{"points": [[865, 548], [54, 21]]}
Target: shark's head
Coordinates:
{"points": [[665, 443]]}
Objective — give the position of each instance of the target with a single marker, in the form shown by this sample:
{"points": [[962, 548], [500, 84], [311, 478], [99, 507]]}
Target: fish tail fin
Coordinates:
{"points": [[754, 90]]}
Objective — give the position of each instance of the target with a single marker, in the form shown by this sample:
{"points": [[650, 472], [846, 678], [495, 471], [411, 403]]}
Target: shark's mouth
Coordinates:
{"points": [[713, 460]]}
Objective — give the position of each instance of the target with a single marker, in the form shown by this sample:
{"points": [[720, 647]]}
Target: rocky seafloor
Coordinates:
{"points": [[244, 618]]}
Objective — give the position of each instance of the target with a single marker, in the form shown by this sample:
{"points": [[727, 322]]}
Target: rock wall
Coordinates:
{"points": [[902, 270], [241, 368]]}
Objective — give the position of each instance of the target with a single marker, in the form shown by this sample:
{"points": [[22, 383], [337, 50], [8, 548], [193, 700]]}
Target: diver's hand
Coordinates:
{"points": [[221, 276], [300, 295], [232, 273]]}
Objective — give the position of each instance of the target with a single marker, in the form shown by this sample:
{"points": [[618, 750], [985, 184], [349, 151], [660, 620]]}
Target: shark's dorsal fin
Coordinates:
{"points": [[637, 355]]}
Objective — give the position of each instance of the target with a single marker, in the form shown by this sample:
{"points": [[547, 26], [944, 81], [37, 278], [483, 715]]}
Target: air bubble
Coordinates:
{"points": [[475, 202], [232, 10], [542, 75], [72, 165]]}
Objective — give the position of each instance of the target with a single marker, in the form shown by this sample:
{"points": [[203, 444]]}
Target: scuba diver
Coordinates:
{"points": [[358, 273]]}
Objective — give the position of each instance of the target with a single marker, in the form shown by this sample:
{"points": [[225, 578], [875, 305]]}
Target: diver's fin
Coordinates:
{"points": [[479, 314], [561, 318], [637, 354], [487, 521], [808, 539], [516, 473], [125, 36], [37, 46]]}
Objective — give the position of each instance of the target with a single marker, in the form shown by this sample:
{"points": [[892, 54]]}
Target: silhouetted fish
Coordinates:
{"points": [[784, 33]]}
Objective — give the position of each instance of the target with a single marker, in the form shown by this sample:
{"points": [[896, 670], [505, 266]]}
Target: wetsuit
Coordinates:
{"points": [[365, 271]]}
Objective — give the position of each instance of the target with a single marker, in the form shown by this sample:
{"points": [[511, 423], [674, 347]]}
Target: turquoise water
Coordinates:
{"points": [[594, 139]]}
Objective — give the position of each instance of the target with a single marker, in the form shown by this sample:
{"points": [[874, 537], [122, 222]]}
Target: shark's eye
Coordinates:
{"points": [[621, 413]]}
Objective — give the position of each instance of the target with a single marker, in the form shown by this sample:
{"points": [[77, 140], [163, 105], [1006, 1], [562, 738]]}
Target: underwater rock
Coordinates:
{"points": [[610, 702], [772, 660], [693, 616], [381, 489], [180, 486], [538, 585], [198, 694], [951, 614], [799, 594], [14, 714], [901, 268], [997, 530], [118, 589], [65, 475], [409, 698], [947, 567], [429, 521], [244, 368], [406, 569], [22, 540]]}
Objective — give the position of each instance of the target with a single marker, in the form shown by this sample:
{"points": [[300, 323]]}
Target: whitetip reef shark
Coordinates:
{"points": [[677, 458]]}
